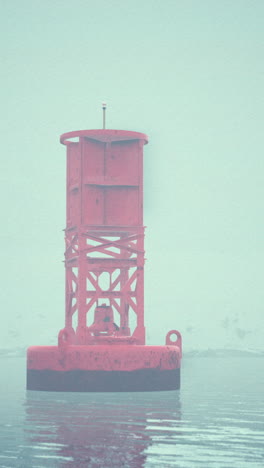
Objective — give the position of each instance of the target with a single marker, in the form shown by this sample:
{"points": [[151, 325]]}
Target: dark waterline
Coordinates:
{"points": [[215, 420]]}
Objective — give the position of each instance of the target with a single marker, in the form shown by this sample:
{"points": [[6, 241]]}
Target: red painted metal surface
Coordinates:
{"points": [[104, 256], [104, 263], [103, 357]]}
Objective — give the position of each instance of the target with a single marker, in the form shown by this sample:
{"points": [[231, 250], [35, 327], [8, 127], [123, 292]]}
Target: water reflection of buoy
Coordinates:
{"points": [[102, 345], [103, 430]]}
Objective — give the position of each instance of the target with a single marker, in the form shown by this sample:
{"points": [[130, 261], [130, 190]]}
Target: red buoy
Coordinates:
{"points": [[102, 345]]}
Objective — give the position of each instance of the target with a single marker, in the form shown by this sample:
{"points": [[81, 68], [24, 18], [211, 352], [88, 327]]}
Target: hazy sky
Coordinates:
{"points": [[190, 75]]}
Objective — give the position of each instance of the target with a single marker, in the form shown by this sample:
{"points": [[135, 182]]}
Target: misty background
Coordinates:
{"points": [[187, 73]]}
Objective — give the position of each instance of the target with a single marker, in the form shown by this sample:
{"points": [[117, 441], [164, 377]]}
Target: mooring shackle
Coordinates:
{"points": [[63, 337]]}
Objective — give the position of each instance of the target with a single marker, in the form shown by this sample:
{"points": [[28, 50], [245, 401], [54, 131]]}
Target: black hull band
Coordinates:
{"points": [[142, 380]]}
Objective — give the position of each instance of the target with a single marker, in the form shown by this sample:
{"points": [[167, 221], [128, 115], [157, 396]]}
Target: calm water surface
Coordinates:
{"points": [[215, 420]]}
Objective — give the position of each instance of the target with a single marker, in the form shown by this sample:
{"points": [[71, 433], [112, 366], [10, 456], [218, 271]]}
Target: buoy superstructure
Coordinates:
{"points": [[102, 345]]}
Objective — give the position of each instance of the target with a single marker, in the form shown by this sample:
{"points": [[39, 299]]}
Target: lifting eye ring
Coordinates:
{"points": [[173, 338]]}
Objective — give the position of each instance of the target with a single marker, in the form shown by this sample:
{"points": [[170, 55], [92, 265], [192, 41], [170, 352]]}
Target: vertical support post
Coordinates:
{"points": [[68, 300], [81, 331]]}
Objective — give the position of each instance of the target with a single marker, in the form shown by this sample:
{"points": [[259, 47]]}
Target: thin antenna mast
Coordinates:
{"points": [[104, 108]]}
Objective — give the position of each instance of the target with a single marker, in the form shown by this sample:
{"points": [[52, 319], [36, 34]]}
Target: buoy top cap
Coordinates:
{"points": [[102, 135]]}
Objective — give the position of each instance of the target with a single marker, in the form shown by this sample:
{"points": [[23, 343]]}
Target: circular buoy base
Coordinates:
{"points": [[102, 368]]}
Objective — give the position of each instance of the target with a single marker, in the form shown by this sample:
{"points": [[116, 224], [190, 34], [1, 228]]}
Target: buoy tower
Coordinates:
{"points": [[102, 345]]}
